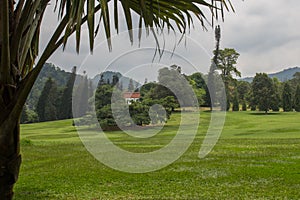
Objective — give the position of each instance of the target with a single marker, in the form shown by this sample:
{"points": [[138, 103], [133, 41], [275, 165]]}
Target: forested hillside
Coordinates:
{"points": [[49, 71]]}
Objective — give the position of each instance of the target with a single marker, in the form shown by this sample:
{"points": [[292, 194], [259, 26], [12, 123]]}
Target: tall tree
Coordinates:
{"points": [[235, 102], [20, 23], [226, 61], [46, 106], [211, 88], [276, 95], [65, 108], [297, 99], [262, 91], [287, 104], [81, 97]]}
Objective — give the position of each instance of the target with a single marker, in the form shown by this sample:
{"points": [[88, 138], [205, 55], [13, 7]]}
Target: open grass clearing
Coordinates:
{"points": [[256, 157]]}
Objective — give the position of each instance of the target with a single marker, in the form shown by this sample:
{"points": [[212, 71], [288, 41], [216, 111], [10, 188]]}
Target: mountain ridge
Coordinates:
{"points": [[283, 75]]}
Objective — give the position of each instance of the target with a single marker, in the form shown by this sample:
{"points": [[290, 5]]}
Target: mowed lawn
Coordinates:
{"points": [[256, 157]]}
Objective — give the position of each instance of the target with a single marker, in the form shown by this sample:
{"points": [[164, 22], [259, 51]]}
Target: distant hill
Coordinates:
{"points": [[286, 74], [108, 75]]}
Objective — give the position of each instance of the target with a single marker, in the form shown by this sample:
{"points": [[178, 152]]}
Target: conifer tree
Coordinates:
{"points": [[65, 107], [46, 106], [235, 102], [275, 96], [287, 98], [81, 97], [297, 99]]}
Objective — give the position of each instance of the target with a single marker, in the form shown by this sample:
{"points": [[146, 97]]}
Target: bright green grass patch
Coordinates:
{"points": [[257, 157]]}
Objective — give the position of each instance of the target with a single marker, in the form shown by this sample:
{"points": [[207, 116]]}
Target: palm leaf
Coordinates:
{"points": [[155, 14]]}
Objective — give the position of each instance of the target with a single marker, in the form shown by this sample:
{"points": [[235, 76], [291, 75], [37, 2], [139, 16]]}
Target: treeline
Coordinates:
{"points": [[173, 90], [265, 93]]}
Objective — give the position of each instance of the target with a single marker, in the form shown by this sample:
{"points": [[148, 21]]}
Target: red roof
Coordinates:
{"points": [[134, 95]]}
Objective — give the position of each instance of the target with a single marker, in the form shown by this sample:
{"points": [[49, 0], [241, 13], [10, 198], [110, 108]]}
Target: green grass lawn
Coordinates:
{"points": [[256, 157]]}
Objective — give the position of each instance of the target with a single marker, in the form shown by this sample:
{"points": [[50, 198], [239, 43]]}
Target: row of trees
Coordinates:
{"points": [[270, 94], [264, 94]]}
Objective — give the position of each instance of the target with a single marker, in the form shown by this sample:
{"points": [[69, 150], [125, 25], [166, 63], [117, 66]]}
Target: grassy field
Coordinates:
{"points": [[257, 157]]}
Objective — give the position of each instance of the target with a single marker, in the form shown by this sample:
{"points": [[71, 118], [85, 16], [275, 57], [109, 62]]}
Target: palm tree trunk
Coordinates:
{"points": [[10, 158]]}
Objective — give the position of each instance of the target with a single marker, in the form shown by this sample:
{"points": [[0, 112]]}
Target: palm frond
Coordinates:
{"points": [[154, 14]]}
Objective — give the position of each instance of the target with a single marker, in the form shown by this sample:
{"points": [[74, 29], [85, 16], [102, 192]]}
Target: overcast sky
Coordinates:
{"points": [[265, 33]]}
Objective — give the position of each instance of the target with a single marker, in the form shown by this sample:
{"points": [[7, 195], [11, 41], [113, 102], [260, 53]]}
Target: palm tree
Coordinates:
{"points": [[20, 24]]}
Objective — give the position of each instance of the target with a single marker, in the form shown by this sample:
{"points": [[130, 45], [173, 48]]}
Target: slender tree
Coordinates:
{"points": [[65, 107], [287, 98], [20, 24], [46, 106], [81, 96], [297, 99], [276, 95], [235, 102], [211, 88]]}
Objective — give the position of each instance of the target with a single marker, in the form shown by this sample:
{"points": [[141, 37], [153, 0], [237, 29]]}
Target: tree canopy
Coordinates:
{"points": [[262, 91]]}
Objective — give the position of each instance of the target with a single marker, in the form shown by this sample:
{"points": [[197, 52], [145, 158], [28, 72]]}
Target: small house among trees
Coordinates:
{"points": [[131, 97]]}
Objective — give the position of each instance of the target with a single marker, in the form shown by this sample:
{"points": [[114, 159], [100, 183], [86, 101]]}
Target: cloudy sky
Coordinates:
{"points": [[265, 33]]}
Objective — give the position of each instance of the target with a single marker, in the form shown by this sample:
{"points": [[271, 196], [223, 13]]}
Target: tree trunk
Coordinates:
{"points": [[10, 158]]}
